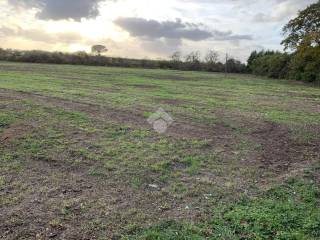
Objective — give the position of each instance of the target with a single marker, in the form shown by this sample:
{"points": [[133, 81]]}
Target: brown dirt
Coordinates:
{"points": [[175, 102], [54, 199], [278, 148], [15, 131], [57, 200], [280, 154], [180, 128]]}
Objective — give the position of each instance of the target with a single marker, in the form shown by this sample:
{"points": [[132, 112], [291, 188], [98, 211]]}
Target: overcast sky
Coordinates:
{"points": [[147, 28]]}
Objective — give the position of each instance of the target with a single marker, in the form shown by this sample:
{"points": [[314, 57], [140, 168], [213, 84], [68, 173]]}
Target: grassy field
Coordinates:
{"points": [[79, 159]]}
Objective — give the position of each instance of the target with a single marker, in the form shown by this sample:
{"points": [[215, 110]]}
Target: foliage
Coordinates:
{"points": [[192, 60], [272, 65], [98, 49], [255, 55], [304, 30], [235, 66], [304, 38], [305, 65]]}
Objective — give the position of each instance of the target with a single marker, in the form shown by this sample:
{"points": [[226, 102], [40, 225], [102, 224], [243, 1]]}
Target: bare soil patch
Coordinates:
{"points": [[13, 132], [180, 128], [55, 200], [278, 147], [279, 154], [175, 102]]}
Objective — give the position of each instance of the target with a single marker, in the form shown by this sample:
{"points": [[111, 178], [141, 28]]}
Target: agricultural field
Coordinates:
{"points": [[80, 160]]}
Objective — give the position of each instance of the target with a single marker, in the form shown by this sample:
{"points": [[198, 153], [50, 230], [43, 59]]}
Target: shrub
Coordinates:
{"points": [[274, 65], [305, 65]]}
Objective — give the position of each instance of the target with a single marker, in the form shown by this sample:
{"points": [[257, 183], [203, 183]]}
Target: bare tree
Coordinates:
{"points": [[193, 57], [193, 61], [98, 49], [176, 56], [211, 57]]}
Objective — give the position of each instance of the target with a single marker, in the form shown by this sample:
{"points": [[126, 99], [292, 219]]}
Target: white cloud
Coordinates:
{"points": [[226, 26]]}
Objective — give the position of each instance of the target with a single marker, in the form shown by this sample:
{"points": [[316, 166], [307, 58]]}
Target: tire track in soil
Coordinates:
{"points": [[279, 153]]}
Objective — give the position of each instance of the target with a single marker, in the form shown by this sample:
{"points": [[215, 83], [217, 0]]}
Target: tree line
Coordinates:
{"points": [[191, 61], [303, 40]]}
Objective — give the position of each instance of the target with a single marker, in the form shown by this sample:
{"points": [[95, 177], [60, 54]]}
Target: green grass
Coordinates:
{"points": [[6, 118], [75, 141], [120, 88], [286, 212]]}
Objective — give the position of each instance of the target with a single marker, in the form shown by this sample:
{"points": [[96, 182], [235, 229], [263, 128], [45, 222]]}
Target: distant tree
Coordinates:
{"points": [[255, 55], [98, 49], [304, 30], [176, 56], [211, 57], [193, 61], [193, 57], [176, 60], [82, 58], [3, 54], [274, 66], [235, 66], [211, 61]]}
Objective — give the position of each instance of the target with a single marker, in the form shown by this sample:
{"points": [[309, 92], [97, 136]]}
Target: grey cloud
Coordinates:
{"points": [[61, 9], [152, 29], [222, 36], [139, 27]]}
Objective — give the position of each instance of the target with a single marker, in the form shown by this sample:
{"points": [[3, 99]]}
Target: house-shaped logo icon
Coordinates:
{"points": [[160, 120]]}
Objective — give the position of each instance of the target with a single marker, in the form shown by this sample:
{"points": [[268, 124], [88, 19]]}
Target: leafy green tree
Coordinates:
{"points": [[235, 66], [273, 65], [304, 30], [256, 55], [305, 65], [252, 57]]}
